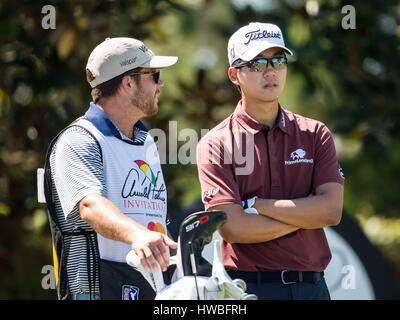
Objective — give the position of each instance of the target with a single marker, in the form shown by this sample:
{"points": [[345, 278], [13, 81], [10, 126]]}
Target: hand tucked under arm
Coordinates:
{"points": [[322, 210], [249, 228]]}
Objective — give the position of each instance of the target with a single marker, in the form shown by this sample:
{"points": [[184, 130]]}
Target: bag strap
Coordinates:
{"points": [[55, 226]]}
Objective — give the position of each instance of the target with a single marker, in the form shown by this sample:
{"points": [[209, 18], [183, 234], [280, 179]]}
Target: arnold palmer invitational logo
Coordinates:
{"points": [[143, 189]]}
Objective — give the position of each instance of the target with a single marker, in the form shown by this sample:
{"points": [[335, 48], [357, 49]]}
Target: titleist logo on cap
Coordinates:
{"points": [[255, 35]]}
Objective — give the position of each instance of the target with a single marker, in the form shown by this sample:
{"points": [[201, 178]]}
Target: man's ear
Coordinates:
{"points": [[233, 75], [126, 83]]}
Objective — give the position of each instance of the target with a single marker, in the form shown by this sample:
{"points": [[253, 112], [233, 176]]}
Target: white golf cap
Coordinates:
{"points": [[114, 56], [247, 42]]}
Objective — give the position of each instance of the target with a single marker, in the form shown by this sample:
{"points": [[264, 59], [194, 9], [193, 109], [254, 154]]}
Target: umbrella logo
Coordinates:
{"points": [[149, 174]]}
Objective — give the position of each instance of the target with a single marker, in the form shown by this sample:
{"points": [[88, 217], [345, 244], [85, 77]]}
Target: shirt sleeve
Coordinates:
{"points": [[77, 168], [326, 168], [217, 180]]}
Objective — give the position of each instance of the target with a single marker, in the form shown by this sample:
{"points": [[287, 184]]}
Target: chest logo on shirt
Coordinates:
{"points": [[298, 156], [143, 182]]}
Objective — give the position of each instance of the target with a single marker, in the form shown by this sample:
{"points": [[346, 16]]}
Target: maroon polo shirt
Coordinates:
{"points": [[241, 158]]}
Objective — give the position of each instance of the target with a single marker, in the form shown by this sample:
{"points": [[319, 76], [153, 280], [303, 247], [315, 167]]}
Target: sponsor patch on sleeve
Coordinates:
{"points": [[208, 194]]}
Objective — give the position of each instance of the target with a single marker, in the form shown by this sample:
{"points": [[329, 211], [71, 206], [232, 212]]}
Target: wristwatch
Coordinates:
{"points": [[248, 206]]}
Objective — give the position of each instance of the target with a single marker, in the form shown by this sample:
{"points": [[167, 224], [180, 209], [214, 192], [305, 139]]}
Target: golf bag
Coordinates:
{"points": [[195, 277]]}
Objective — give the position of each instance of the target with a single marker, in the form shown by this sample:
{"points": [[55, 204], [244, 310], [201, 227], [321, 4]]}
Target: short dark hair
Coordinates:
{"points": [[110, 87], [235, 63]]}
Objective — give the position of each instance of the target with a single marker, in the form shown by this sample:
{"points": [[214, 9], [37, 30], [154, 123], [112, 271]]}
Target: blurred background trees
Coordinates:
{"points": [[347, 78]]}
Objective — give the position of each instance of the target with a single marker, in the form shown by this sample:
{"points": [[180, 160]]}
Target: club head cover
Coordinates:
{"points": [[195, 232]]}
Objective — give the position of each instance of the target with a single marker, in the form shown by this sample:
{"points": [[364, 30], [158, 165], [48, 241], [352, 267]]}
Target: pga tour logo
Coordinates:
{"points": [[130, 292], [298, 156]]}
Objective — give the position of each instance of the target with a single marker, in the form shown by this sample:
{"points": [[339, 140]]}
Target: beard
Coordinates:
{"points": [[145, 102]]}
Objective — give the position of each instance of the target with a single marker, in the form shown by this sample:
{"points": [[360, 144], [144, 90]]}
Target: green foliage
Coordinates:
{"points": [[346, 78]]}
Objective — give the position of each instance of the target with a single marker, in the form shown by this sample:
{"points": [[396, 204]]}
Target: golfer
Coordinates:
{"points": [[290, 185], [104, 185]]}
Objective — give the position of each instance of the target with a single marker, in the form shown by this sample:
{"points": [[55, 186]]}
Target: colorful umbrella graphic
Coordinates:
{"points": [[147, 171]]}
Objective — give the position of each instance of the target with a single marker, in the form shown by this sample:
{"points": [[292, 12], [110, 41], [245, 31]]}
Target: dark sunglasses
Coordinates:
{"points": [[261, 64], [155, 73]]}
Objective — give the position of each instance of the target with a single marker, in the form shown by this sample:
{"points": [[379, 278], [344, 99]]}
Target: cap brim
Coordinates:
{"points": [[251, 54], [160, 62]]}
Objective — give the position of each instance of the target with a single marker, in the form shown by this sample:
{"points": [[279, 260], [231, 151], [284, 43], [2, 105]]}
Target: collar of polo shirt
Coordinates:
{"points": [[101, 121], [253, 126]]}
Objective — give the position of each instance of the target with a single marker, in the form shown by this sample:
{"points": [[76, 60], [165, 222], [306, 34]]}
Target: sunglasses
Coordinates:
{"points": [[261, 64], [155, 73]]}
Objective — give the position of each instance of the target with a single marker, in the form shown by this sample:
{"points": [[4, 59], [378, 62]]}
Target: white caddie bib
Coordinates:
{"points": [[135, 185]]}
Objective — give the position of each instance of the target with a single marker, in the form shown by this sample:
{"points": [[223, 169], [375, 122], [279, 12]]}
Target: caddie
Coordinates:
{"points": [[104, 185]]}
